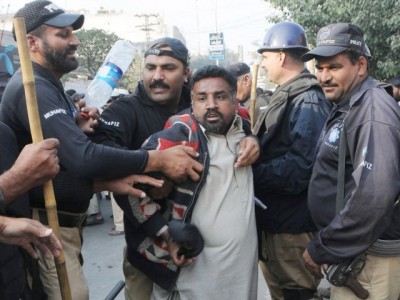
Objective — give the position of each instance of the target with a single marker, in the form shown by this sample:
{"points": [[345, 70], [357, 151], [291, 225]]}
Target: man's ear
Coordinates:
{"points": [[247, 80], [33, 43], [362, 65], [187, 73], [282, 58]]}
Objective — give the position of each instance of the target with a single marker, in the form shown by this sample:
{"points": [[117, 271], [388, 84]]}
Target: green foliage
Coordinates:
{"points": [[380, 21], [133, 75], [94, 47]]}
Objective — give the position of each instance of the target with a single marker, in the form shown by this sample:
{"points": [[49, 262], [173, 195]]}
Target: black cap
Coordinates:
{"points": [[337, 38], [41, 12], [178, 49], [238, 69]]}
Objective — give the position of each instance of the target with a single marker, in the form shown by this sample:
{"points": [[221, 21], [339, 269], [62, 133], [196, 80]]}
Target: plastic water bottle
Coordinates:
{"points": [[115, 64]]}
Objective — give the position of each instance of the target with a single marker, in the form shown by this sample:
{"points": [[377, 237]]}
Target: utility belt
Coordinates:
{"points": [[344, 274], [385, 248], [65, 219]]}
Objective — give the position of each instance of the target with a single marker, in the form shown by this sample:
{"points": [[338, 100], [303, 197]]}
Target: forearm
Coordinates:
{"points": [[84, 158], [13, 185], [358, 225], [154, 161], [98, 161]]}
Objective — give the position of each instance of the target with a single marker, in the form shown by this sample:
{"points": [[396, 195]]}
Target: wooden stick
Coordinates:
{"points": [[37, 136], [253, 94]]}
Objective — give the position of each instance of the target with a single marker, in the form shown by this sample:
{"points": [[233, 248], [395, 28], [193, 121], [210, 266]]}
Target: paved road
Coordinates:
{"points": [[102, 256]]}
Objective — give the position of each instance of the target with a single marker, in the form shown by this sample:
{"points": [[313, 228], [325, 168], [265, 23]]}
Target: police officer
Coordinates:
{"points": [[244, 81], [367, 119], [37, 163], [288, 130]]}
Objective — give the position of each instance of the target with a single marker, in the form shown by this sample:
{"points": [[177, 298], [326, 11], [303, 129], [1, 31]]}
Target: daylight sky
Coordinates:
{"points": [[241, 21]]}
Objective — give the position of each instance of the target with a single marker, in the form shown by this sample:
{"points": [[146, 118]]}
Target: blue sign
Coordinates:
{"points": [[217, 46]]}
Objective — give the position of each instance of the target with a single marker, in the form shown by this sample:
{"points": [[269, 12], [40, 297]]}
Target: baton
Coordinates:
{"points": [[253, 94], [28, 79]]}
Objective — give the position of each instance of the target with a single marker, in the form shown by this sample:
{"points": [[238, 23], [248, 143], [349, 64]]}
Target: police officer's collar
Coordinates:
{"points": [[45, 73]]}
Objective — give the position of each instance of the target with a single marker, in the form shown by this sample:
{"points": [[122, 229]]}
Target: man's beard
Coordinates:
{"points": [[57, 61], [217, 127]]}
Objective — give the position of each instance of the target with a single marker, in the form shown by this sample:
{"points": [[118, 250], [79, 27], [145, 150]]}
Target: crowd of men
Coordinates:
{"points": [[322, 160]]}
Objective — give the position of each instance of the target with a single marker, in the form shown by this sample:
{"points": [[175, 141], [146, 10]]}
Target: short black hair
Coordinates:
{"points": [[77, 96], [39, 31], [212, 71], [70, 92], [354, 56], [395, 81], [295, 53]]}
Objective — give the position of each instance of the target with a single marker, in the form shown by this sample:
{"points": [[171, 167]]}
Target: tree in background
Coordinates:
{"points": [[96, 43], [380, 21], [94, 47], [133, 75]]}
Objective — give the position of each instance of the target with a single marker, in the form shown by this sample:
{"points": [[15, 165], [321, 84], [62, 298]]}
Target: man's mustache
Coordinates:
{"points": [[158, 84], [70, 48], [328, 85], [213, 112]]}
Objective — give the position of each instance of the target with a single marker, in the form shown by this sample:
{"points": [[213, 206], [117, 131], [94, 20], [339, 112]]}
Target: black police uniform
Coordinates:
{"points": [[79, 157], [13, 284]]}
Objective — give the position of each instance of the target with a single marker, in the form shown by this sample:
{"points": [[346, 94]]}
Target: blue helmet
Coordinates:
{"points": [[285, 35]]}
